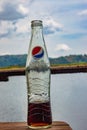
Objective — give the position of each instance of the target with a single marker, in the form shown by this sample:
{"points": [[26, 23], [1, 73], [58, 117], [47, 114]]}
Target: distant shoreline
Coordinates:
{"points": [[5, 73]]}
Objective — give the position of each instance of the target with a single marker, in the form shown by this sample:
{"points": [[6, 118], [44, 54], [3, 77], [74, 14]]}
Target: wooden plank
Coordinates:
{"points": [[68, 69], [4, 73], [57, 125]]}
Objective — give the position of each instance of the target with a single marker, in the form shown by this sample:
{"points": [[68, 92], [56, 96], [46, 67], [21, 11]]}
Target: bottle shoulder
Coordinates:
{"points": [[38, 66]]}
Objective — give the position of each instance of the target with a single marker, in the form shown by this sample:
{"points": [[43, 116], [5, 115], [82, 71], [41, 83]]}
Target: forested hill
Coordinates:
{"points": [[71, 59], [20, 60]]}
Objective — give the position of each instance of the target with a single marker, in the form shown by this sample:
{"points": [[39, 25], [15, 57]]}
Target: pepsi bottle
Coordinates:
{"points": [[38, 80]]}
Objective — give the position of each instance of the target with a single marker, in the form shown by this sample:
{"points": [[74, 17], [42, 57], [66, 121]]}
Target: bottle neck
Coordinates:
{"points": [[37, 33]]}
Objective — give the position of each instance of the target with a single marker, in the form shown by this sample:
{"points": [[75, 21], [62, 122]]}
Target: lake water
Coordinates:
{"points": [[68, 98]]}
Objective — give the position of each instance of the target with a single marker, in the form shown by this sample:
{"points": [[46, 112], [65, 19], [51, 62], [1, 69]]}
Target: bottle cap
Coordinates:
{"points": [[36, 23]]}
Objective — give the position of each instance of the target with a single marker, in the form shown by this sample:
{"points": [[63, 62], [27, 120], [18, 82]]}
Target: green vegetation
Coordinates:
{"points": [[71, 59], [12, 60], [70, 64], [11, 67], [17, 61]]}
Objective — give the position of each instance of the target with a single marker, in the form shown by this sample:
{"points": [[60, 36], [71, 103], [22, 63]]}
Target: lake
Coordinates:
{"points": [[68, 98]]}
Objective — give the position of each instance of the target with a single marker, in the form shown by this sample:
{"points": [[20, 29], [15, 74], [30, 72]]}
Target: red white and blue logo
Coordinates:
{"points": [[37, 52]]}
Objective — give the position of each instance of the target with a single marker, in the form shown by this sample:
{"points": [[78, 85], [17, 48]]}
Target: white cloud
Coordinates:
{"points": [[51, 26], [5, 26], [23, 9], [22, 26], [15, 17], [20, 12], [1, 9], [83, 12], [50, 22], [9, 28], [53, 23], [62, 47], [4, 53]]}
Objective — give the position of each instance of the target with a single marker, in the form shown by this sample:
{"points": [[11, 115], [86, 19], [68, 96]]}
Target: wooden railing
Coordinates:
{"points": [[57, 125], [5, 73]]}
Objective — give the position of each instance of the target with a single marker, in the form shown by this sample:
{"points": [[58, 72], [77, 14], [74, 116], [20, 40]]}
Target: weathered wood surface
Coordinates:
{"points": [[57, 125], [68, 69], [54, 70]]}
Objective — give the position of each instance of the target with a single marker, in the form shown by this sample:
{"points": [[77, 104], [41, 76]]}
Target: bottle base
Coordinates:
{"points": [[39, 127]]}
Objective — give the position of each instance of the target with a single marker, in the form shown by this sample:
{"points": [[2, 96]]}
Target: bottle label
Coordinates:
{"points": [[37, 52]]}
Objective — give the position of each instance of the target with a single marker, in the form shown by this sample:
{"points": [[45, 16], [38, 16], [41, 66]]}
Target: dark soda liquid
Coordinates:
{"points": [[39, 115]]}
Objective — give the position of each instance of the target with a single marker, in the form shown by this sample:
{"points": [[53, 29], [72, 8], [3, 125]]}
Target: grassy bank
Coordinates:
{"points": [[12, 68], [52, 66], [70, 65]]}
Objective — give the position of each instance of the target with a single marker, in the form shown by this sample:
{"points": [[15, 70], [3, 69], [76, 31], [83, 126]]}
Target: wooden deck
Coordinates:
{"points": [[57, 125], [5, 73]]}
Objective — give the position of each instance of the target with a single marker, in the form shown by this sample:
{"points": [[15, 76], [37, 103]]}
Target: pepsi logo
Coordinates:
{"points": [[37, 52]]}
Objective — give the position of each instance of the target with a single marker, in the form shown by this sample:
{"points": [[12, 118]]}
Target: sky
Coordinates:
{"points": [[64, 26]]}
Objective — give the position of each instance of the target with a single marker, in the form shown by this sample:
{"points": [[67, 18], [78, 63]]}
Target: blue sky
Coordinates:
{"points": [[64, 21]]}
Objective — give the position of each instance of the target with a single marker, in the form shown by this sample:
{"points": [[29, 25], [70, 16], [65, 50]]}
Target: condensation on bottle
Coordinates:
{"points": [[38, 80]]}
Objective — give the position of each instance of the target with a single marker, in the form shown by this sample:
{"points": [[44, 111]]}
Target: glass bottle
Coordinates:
{"points": [[38, 80]]}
